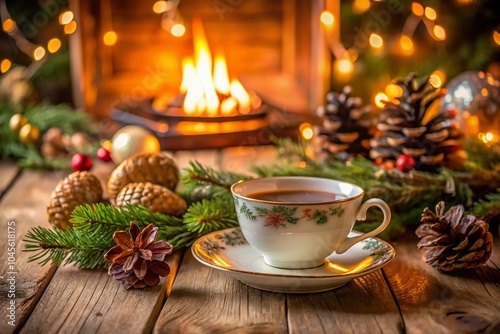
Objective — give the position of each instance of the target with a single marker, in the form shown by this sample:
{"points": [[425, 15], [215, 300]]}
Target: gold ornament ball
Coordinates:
{"points": [[29, 133], [131, 140], [17, 121]]}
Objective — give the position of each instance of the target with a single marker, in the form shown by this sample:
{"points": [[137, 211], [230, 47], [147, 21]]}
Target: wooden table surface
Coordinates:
{"points": [[406, 295]]}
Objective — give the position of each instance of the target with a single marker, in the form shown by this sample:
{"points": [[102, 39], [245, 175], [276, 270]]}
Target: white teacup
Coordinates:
{"points": [[296, 222]]}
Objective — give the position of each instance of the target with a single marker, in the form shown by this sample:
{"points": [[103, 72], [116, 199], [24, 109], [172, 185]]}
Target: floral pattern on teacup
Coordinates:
{"points": [[321, 216], [278, 216], [232, 238]]}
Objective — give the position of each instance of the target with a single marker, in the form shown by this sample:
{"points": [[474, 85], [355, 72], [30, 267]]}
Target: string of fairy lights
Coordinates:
{"points": [[171, 21], [345, 59], [37, 52]]}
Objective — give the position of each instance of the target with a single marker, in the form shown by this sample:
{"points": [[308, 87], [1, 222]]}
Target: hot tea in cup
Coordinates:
{"points": [[296, 222]]}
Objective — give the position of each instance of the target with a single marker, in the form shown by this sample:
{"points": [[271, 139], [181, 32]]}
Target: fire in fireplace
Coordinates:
{"points": [[206, 91]]}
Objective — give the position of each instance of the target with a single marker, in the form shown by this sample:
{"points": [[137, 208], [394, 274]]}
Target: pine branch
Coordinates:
{"points": [[45, 116], [55, 245], [210, 215], [201, 182], [102, 219], [488, 207]]}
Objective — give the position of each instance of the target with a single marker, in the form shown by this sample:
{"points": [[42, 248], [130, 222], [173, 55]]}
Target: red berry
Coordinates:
{"points": [[405, 163], [451, 113], [103, 154], [81, 162]]}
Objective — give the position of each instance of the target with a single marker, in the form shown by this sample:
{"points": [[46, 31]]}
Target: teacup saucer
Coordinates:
{"points": [[228, 251]]}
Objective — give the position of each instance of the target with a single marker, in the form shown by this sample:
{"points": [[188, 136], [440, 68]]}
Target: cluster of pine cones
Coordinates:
{"points": [[147, 179], [405, 126]]}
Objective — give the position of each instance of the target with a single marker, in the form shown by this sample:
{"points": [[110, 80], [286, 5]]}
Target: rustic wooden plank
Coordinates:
{"points": [[24, 204], [435, 302], [240, 159], [8, 172], [205, 301], [364, 305], [89, 301]]}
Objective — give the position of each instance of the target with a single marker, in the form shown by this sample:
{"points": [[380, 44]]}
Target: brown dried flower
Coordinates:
{"points": [[137, 260]]}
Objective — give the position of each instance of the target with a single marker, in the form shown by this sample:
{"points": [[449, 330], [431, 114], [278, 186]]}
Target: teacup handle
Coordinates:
{"points": [[349, 242]]}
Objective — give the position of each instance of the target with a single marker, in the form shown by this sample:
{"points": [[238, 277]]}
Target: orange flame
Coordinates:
{"points": [[203, 89]]}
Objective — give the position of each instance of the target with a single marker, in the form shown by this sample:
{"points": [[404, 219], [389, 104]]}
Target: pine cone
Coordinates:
{"points": [[157, 168], [78, 188], [137, 260], [154, 197], [407, 128], [454, 241], [346, 127]]}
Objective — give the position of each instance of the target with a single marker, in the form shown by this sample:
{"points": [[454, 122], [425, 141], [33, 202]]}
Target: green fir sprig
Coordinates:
{"points": [[199, 182], [210, 215], [69, 246]]}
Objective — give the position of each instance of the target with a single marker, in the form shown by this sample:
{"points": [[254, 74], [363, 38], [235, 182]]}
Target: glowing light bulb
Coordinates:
{"points": [[437, 79], [54, 45], [160, 7], [417, 9], [70, 28], [430, 13], [66, 17], [361, 6], [439, 33], [376, 41], [306, 131], [496, 37], [178, 30], [345, 66], [38, 53], [110, 38], [5, 65], [393, 90], [8, 25], [406, 45], [380, 100], [327, 18]]}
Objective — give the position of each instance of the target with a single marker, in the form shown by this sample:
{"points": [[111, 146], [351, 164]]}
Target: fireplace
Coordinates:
{"points": [[276, 59]]}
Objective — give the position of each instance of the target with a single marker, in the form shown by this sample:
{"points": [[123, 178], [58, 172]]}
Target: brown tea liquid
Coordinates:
{"points": [[296, 196]]}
